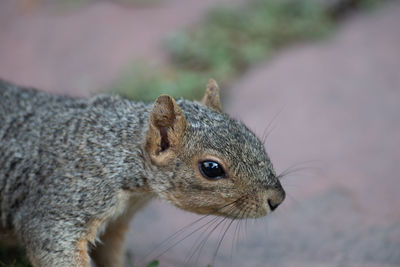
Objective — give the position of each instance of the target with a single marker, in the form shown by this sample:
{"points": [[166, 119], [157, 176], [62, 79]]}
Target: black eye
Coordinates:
{"points": [[211, 170]]}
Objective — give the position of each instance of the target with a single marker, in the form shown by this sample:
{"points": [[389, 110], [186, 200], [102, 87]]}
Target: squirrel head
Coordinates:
{"points": [[203, 161]]}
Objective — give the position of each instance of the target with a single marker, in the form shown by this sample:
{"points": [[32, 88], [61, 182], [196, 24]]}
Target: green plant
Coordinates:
{"points": [[13, 257], [231, 39], [146, 83], [153, 263]]}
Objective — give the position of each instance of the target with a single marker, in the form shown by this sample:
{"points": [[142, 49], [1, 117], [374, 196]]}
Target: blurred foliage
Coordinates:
{"points": [[146, 83], [228, 41], [13, 257], [231, 39], [153, 263]]}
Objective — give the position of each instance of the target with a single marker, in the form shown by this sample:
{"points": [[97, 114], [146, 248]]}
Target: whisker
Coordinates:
{"points": [[236, 236], [245, 223], [204, 241], [177, 233], [233, 241], [268, 131], [197, 242], [186, 237], [297, 168], [292, 171], [199, 245], [220, 241], [171, 237]]}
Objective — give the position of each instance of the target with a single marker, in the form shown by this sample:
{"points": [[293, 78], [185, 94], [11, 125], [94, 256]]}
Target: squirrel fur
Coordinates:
{"points": [[73, 171]]}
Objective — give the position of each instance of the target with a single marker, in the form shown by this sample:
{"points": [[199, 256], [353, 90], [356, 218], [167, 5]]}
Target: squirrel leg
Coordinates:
{"points": [[76, 256], [110, 251]]}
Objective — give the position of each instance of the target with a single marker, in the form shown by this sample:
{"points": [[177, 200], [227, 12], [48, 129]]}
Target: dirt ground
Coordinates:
{"points": [[336, 105]]}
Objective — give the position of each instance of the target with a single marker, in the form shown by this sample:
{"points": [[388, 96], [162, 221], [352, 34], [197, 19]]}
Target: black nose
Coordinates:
{"points": [[276, 197], [272, 204]]}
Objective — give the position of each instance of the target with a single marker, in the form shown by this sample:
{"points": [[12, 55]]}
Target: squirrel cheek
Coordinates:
{"points": [[176, 199]]}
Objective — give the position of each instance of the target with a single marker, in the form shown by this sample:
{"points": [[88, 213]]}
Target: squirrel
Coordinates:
{"points": [[74, 171]]}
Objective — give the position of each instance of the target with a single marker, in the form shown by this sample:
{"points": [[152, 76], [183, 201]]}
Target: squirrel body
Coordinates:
{"points": [[73, 171]]}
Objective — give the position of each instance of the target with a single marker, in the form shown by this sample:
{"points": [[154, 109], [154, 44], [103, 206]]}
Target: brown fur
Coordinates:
{"points": [[166, 127], [211, 98], [110, 251], [82, 257]]}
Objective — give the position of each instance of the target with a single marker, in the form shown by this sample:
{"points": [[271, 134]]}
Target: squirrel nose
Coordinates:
{"points": [[272, 204], [276, 198]]}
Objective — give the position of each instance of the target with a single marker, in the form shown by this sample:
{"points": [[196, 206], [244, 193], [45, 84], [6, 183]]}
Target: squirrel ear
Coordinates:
{"points": [[167, 124], [211, 97]]}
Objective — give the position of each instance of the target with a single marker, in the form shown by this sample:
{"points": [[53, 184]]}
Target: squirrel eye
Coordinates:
{"points": [[211, 170]]}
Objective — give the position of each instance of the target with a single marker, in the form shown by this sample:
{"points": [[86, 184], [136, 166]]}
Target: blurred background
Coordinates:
{"points": [[321, 78]]}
